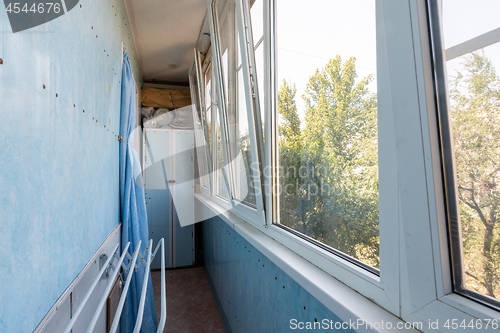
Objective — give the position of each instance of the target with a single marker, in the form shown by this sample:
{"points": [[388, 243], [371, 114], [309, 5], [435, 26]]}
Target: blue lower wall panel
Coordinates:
{"points": [[256, 295]]}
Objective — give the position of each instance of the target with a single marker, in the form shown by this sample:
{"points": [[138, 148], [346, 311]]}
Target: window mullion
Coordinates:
{"points": [[473, 44], [270, 114], [406, 99]]}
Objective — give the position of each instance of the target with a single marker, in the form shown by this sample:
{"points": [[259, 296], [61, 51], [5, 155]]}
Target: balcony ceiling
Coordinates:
{"points": [[165, 33]]}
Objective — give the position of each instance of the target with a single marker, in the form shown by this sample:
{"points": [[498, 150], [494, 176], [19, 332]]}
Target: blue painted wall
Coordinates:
{"points": [[256, 296], [59, 195]]}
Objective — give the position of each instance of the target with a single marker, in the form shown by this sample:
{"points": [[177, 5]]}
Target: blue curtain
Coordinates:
{"points": [[133, 208]]}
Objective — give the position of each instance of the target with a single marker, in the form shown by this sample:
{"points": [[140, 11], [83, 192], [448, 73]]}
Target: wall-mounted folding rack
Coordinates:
{"points": [[133, 266]]}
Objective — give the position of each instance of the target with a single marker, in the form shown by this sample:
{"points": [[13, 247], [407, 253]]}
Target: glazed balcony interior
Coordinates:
{"points": [[326, 164]]}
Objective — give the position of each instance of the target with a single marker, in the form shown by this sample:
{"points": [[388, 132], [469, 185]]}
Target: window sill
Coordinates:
{"points": [[344, 302]]}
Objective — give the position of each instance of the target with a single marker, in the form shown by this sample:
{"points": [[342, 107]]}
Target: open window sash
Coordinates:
{"points": [[200, 124], [270, 113], [221, 107], [250, 81], [253, 211]]}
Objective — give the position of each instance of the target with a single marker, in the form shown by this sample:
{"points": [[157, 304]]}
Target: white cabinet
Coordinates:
{"points": [[168, 159]]}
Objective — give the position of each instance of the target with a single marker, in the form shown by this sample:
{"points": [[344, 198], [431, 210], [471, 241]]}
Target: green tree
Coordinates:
{"points": [[290, 152], [336, 193], [289, 127], [475, 110]]}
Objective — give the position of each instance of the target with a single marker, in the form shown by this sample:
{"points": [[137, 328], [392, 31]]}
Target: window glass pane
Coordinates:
{"points": [[474, 88], [198, 128], [467, 19], [259, 64], [208, 109], [236, 108], [240, 139], [202, 166], [208, 82], [224, 71], [257, 18], [244, 190], [220, 189], [226, 33], [327, 115]]}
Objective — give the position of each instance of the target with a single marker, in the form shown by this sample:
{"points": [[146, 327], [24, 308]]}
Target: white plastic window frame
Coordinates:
{"points": [[382, 288], [223, 79], [450, 302], [250, 82], [208, 67], [195, 73], [415, 277], [239, 88], [441, 57], [426, 278], [218, 91], [253, 215]]}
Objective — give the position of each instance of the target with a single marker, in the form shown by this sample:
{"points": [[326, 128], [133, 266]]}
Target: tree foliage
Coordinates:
{"points": [[329, 164], [475, 96], [329, 169]]}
